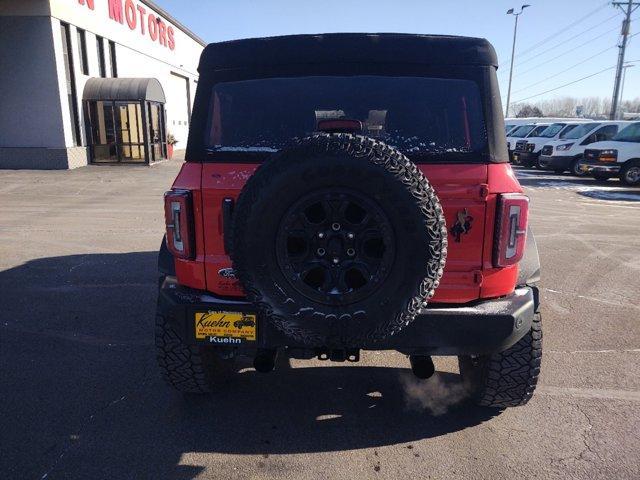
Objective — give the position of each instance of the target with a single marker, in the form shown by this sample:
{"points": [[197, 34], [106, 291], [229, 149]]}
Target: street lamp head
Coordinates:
{"points": [[512, 11]]}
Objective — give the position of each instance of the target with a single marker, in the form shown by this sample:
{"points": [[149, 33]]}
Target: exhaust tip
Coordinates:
{"points": [[265, 361], [422, 366]]}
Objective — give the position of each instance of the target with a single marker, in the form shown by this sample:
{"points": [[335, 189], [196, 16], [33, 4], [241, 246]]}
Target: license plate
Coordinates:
{"points": [[225, 327]]}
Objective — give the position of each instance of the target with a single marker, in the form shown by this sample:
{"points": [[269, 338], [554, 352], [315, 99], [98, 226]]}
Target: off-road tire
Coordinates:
{"points": [[188, 368], [509, 378], [601, 177], [328, 161]]}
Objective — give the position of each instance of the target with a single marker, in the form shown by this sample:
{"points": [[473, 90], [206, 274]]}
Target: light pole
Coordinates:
{"points": [[512, 11], [624, 77]]}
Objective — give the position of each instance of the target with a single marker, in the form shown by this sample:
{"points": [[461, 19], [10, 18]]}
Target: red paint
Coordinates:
{"points": [[152, 27], [469, 274], [191, 273], [170, 40], [90, 3], [142, 11], [156, 29], [115, 10], [130, 14], [162, 34]]}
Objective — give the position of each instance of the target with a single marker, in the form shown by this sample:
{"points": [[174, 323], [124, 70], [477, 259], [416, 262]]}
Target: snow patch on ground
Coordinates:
{"points": [[615, 192]]}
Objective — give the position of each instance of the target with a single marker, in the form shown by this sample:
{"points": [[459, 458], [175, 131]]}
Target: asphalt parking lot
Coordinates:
{"points": [[82, 399]]}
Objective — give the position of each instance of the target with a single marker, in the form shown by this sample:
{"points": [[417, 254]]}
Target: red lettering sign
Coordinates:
{"points": [[90, 3], [170, 40], [115, 10], [133, 13], [152, 26], [130, 13], [142, 11]]}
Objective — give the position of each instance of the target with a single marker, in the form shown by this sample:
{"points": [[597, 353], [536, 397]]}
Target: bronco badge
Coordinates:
{"points": [[227, 273], [461, 225]]}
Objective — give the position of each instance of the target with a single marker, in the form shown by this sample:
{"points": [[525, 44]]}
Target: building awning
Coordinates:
{"points": [[131, 89]]}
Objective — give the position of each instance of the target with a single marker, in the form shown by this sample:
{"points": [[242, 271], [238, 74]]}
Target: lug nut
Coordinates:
{"points": [[336, 260], [350, 236], [351, 252], [320, 235], [335, 226], [321, 252]]}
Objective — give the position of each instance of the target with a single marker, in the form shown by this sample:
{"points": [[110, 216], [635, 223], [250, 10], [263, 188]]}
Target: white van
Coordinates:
{"points": [[510, 124], [619, 157], [566, 152], [524, 131], [527, 151]]}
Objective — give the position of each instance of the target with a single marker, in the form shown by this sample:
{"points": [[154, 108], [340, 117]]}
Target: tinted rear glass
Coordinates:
{"points": [[423, 117]]}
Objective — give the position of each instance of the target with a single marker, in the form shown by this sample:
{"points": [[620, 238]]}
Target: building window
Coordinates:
{"points": [[101, 66], [70, 81], [112, 58], [82, 46]]}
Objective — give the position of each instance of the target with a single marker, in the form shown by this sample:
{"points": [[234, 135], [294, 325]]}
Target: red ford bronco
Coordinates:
{"points": [[348, 192]]}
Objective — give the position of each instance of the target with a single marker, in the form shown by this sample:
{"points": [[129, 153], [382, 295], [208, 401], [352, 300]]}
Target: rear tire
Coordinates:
{"points": [[509, 378], [188, 368]]}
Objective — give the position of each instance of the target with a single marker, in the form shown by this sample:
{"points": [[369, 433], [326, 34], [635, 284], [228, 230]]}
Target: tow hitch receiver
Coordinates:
{"points": [[339, 355]]}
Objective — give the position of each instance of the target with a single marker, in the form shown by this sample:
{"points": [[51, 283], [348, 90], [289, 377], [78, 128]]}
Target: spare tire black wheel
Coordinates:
{"points": [[339, 240]]}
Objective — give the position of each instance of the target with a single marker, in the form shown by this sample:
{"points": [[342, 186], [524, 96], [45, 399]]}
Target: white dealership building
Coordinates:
{"points": [[92, 81]]}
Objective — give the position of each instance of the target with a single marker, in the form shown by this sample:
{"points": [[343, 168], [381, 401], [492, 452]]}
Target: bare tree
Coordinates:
{"points": [[588, 107]]}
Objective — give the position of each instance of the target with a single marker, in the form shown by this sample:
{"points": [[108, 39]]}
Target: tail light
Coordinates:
{"points": [[511, 229], [178, 214]]}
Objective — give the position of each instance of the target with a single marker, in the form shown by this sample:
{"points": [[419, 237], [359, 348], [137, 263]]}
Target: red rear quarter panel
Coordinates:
{"points": [[191, 273]]}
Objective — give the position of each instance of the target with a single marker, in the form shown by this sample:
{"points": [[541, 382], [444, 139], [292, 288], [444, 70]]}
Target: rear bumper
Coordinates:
{"points": [[555, 162], [480, 328]]}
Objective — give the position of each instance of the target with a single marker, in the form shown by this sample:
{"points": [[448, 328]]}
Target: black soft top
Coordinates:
{"points": [[388, 48]]}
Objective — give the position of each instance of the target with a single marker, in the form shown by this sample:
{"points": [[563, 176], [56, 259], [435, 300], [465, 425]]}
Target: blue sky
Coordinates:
{"points": [[547, 29]]}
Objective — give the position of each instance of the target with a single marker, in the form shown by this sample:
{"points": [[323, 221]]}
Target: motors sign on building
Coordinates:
{"points": [[136, 17], [65, 54]]}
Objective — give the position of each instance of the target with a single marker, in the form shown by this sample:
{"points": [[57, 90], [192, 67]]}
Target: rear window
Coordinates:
{"points": [[423, 117]]}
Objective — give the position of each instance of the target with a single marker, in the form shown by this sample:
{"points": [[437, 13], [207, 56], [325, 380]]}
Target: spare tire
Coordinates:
{"points": [[339, 240]]}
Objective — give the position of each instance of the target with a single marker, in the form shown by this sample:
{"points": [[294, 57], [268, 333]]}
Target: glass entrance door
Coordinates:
{"points": [[130, 136], [157, 136], [117, 132], [103, 132]]}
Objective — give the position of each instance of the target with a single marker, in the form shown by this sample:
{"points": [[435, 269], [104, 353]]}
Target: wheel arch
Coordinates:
{"points": [[166, 263]]}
